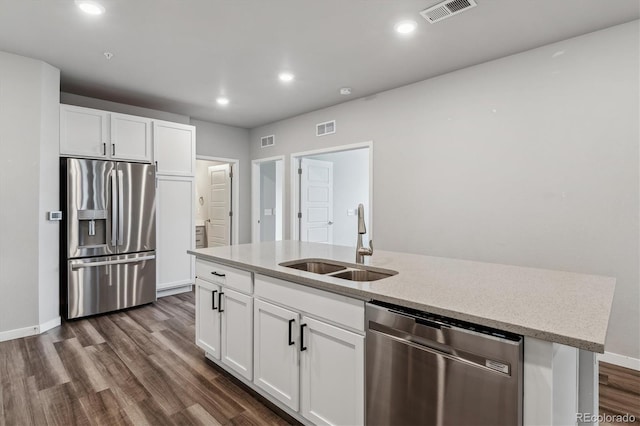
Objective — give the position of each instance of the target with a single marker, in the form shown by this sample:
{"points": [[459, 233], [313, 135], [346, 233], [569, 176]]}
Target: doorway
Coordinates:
{"points": [[267, 199], [326, 188], [216, 203]]}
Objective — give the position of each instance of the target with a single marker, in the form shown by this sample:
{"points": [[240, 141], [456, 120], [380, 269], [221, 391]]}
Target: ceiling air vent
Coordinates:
{"points": [[266, 141], [326, 128], [446, 9]]}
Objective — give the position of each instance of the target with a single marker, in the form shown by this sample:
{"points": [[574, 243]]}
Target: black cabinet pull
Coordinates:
{"points": [[220, 302], [104, 148], [113, 149], [291, 342], [217, 274], [302, 346], [213, 300]]}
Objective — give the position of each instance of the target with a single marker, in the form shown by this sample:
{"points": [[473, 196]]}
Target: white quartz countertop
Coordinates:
{"points": [[562, 307]]}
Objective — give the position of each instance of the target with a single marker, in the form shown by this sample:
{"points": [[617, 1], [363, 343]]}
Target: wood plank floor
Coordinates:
{"points": [[619, 392], [141, 366]]}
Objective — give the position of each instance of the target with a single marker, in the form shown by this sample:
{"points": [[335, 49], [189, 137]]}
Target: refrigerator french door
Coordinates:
{"points": [[108, 236]]}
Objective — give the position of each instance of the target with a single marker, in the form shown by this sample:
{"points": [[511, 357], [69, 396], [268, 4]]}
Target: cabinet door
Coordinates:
{"points": [[130, 138], [276, 369], [208, 317], [174, 231], [332, 370], [174, 148], [83, 131], [237, 337]]}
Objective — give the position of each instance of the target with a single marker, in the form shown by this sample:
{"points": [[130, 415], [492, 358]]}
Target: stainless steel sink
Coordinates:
{"points": [[342, 270], [317, 267], [362, 275]]}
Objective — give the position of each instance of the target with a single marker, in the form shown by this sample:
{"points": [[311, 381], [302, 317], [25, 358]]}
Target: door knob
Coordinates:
{"points": [[330, 223]]}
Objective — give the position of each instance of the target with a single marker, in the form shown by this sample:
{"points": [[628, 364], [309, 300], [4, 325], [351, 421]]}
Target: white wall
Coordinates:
{"points": [[218, 140], [350, 188], [531, 159], [28, 189]]}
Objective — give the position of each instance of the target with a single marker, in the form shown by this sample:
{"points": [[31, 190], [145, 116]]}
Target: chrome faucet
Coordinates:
{"points": [[361, 251]]}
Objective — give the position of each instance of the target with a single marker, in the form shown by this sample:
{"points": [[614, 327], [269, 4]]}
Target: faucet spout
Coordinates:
{"points": [[362, 229], [362, 251]]}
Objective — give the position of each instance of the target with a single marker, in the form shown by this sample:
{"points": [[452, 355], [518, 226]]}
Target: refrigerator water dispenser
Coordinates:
{"points": [[92, 228]]}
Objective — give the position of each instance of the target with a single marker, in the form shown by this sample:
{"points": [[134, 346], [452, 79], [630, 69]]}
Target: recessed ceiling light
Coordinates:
{"points": [[406, 27], [286, 76], [90, 7], [222, 101]]}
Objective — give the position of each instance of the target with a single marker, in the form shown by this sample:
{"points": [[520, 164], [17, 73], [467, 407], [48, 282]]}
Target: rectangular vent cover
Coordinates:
{"points": [[326, 128], [447, 9], [266, 141]]}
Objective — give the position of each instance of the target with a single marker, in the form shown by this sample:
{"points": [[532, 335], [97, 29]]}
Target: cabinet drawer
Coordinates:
{"points": [[199, 239], [338, 309], [224, 275], [199, 231]]}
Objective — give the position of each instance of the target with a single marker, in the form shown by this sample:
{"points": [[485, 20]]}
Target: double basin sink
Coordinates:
{"points": [[345, 271]]}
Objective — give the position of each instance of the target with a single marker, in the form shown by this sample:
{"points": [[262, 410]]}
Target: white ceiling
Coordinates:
{"points": [[179, 55]]}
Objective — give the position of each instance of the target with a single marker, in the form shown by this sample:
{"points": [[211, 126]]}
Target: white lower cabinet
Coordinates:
{"points": [[208, 317], [312, 366], [301, 347], [236, 310], [332, 374], [276, 353], [224, 316]]}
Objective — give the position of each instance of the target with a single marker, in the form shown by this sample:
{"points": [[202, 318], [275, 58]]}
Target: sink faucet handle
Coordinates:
{"points": [[371, 245]]}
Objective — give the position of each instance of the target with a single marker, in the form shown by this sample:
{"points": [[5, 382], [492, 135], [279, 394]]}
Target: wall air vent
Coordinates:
{"points": [[446, 9], [326, 128], [266, 141]]}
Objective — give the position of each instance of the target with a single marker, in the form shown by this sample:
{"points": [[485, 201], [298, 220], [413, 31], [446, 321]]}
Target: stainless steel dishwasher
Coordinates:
{"points": [[425, 369]]}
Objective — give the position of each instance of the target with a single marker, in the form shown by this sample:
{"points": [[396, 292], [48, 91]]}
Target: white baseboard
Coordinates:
{"points": [[50, 324], [175, 290], [19, 332], [620, 360]]}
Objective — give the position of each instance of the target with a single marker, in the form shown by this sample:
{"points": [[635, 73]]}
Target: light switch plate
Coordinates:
{"points": [[351, 212]]}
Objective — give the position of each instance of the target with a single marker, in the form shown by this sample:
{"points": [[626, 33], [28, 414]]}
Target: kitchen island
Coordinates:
{"points": [[563, 316]]}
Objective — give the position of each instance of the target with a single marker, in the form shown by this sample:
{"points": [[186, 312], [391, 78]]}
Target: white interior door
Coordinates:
{"points": [[219, 224], [316, 201]]}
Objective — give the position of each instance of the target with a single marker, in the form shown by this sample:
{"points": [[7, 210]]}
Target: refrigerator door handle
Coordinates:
{"points": [[120, 207], [111, 262], [114, 208]]}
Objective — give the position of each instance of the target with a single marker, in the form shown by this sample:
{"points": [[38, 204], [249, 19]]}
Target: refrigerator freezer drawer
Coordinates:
{"points": [[104, 284]]}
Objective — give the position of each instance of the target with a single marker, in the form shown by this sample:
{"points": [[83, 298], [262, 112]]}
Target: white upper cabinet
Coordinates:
{"points": [[130, 137], [174, 148], [83, 131], [86, 132]]}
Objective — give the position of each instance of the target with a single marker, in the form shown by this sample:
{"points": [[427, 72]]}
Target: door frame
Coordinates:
{"points": [[255, 198], [235, 193], [294, 195]]}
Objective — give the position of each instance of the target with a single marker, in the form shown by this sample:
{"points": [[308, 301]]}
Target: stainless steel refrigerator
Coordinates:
{"points": [[108, 237]]}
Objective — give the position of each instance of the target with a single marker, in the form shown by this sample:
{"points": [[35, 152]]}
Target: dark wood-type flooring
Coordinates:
{"points": [[619, 392], [141, 366], [138, 366]]}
